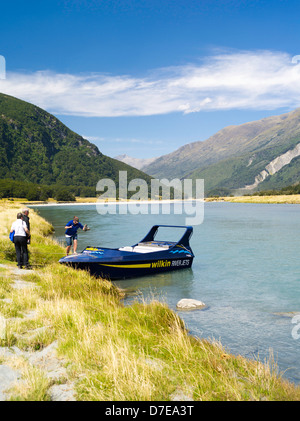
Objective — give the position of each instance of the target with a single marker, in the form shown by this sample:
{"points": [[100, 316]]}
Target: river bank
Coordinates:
{"points": [[276, 199], [284, 198], [102, 350]]}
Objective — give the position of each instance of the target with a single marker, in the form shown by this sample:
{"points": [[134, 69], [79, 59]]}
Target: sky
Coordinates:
{"points": [[145, 77]]}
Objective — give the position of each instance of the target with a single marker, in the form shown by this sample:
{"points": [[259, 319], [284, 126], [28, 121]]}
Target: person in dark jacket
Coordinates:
{"points": [[71, 233], [25, 215]]}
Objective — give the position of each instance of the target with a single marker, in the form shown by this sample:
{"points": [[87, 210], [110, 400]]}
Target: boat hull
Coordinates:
{"points": [[121, 270]]}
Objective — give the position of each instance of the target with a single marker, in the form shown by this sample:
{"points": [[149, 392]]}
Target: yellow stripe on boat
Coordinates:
{"points": [[144, 265]]}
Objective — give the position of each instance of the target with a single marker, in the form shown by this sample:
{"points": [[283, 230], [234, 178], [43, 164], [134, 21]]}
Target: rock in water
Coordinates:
{"points": [[189, 304]]}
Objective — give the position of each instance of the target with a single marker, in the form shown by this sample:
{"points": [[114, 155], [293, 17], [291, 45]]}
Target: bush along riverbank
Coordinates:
{"points": [[65, 335]]}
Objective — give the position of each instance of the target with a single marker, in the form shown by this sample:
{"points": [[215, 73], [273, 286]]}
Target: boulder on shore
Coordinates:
{"points": [[189, 304]]}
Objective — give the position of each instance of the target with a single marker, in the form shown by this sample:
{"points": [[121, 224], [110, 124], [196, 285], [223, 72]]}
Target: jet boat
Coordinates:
{"points": [[147, 257]]}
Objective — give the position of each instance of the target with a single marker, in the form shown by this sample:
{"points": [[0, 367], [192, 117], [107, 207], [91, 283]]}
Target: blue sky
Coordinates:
{"points": [[146, 77]]}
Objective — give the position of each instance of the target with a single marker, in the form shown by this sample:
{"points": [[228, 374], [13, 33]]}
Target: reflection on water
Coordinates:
{"points": [[160, 286]]}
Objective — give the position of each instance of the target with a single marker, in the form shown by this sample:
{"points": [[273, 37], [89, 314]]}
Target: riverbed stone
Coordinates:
{"points": [[48, 361], [62, 392], [8, 377], [189, 304], [179, 395], [19, 284]]}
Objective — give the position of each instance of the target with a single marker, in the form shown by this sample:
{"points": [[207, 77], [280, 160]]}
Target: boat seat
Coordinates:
{"points": [[159, 244], [142, 249], [147, 249], [126, 248]]}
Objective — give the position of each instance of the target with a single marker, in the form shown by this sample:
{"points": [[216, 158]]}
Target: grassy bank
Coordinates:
{"points": [[109, 351], [284, 198]]}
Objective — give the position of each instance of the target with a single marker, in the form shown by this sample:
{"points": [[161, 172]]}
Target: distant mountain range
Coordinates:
{"points": [[135, 162], [36, 147], [259, 155]]}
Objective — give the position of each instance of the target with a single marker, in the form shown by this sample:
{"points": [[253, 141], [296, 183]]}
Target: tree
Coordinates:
{"points": [[64, 195]]}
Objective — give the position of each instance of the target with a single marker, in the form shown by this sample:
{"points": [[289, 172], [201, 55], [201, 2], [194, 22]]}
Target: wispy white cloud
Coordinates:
{"points": [[231, 80], [95, 138], [122, 140]]}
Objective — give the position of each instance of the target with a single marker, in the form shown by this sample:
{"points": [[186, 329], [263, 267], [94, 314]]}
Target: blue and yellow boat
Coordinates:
{"points": [[148, 257]]}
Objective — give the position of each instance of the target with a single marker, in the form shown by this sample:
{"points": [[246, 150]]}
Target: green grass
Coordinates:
{"points": [[33, 386]]}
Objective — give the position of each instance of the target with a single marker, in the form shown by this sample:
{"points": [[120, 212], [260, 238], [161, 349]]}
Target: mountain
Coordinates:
{"points": [[36, 147], [138, 163], [252, 156]]}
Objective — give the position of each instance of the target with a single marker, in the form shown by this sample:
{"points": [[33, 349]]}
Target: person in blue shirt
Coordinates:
{"points": [[71, 233]]}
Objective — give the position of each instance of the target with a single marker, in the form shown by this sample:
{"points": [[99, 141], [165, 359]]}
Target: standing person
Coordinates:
{"points": [[26, 218], [20, 240], [71, 233]]}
